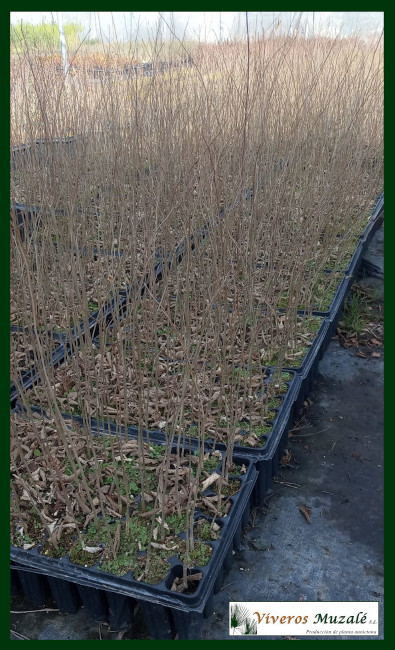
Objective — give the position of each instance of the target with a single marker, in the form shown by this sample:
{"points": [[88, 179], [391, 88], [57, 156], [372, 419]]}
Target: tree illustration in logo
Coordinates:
{"points": [[242, 620]]}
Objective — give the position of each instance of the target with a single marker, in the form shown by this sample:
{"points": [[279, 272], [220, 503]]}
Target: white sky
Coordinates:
{"points": [[206, 25]]}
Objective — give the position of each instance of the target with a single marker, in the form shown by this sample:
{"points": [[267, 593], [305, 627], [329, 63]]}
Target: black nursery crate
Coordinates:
{"points": [[266, 456], [42, 150], [98, 319], [31, 376], [332, 313], [375, 221], [337, 300], [349, 278], [27, 219], [70, 341], [315, 350], [308, 369], [107, 597]]}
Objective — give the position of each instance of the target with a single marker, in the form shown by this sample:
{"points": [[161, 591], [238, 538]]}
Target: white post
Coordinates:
{"points": [[63, 48]]}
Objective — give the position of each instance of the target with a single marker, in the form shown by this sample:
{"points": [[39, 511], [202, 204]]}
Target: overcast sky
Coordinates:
{"points": [[208, 26]]}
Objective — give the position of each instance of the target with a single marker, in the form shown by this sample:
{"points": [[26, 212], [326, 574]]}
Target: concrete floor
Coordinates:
{"points": [[336, 469]]}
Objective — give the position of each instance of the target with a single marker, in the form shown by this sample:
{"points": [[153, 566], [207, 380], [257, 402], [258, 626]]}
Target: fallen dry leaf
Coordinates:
{"points": [[361, 354], [306, 511], [210, 480], [286, 458], [92, 549], [163, 546], [376, 342], [376, 354], [178, 584]]}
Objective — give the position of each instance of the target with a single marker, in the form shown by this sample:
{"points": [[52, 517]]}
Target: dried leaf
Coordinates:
{"points": [[52, 525], [287, 457], [306, 511], [252, 440], [376, 354], [88, 519], [165, 525], [25, 496], [209, 481], [148, 498], [178, 583], [92, 549], [163, 546]]}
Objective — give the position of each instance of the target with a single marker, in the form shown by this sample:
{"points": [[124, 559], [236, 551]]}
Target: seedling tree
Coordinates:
{"points": [[266, 154]]}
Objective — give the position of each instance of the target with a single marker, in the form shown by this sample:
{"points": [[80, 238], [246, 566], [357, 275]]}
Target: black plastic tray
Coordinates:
{"points": [[310, 367], [21, 153], [375, 221], [98, 319], [349, 278], [28, 218], [265, 456], [28, 376], [107, 597], [31, 376], [342, 288]]}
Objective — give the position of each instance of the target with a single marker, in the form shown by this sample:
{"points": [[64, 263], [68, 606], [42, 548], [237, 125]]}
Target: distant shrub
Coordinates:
{"points": [[44, 36]]}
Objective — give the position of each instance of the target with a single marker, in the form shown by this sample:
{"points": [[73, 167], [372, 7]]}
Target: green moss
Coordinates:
{"points": [[130, 543], [261, 429], [229, 489], [176, 523], [198, 556], [123, 564], [193, 431], [65, 543], [204, 531], [95, 536], [83, 558], [158, 568], [157, 452], [32, 531], [274, 402]]}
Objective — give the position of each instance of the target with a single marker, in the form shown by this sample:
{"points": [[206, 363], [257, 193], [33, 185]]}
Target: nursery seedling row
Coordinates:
{"points": [[107, 313], [109, 597]]}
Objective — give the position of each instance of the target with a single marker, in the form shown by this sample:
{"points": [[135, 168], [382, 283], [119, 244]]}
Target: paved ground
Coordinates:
{"points": [[336, 470]]}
